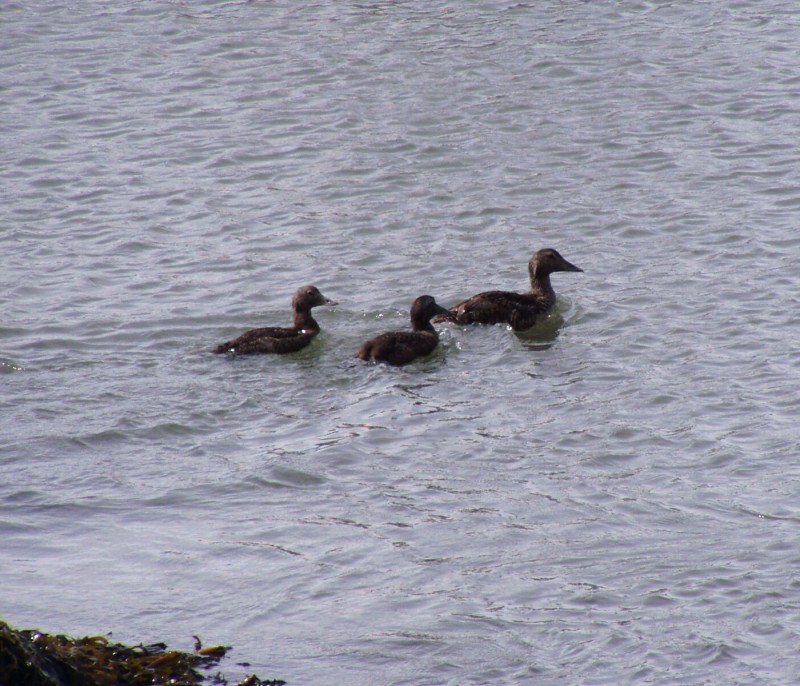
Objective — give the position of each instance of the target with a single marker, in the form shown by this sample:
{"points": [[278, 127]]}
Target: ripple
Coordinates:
{"points": [[171, 184]]}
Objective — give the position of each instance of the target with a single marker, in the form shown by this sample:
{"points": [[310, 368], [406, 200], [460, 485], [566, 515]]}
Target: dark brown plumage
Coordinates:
{"points": [[401, 347], [279, 340], [520, 310]]}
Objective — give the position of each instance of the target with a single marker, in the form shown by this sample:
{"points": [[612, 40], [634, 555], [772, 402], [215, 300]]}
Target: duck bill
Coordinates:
{"points": [[569, 267], [441, 310], [330, 302]]}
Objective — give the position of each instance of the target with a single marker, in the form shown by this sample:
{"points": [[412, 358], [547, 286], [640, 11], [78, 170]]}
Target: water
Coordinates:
{"points": [[610, 498]]}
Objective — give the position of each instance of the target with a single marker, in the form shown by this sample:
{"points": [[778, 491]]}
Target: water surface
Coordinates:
{"points": [[610, 498]]}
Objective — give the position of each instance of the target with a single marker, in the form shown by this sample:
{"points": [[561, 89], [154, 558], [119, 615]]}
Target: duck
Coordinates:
{"points": [[398, 348], [520, 310], [277, 340]]}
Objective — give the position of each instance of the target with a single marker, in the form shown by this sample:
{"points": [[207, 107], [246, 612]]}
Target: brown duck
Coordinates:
{"points": [[520, 310], [273, 339], [401, 347]]}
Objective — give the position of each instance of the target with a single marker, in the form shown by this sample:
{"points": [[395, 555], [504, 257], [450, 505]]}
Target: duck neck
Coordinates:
{"points": [[422, 324], [304, 320], [540, 284]]}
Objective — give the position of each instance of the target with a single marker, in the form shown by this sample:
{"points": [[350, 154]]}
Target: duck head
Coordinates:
{"points": [[425, 308], [548, 260], [307, 297]]}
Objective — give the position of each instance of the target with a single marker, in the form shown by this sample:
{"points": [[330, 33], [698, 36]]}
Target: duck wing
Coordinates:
{"points": [[270, 339], [500, 307], [398, 347]]}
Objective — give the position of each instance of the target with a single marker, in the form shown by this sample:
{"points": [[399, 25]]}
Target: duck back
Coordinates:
{"points": [[268, 340], [398, 348], [521, 310]]}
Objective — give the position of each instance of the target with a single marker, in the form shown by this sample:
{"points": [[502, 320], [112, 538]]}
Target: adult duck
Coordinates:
{"points": [[273, 339], [520, 310], [401, 347]]}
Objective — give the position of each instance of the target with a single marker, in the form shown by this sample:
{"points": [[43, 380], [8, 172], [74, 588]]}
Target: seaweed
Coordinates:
{"points": [[33, 658]]}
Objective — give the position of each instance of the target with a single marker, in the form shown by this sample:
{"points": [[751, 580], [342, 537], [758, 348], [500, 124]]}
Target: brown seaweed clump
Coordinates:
{"points": [[32, 658]]}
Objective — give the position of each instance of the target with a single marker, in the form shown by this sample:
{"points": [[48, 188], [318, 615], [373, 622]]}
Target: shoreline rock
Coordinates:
{"points": [[33, 658]]}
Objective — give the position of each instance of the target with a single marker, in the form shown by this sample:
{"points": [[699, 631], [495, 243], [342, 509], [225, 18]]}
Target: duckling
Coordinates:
{"points": [[279, 340], [520, 310], [401, 347]]}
